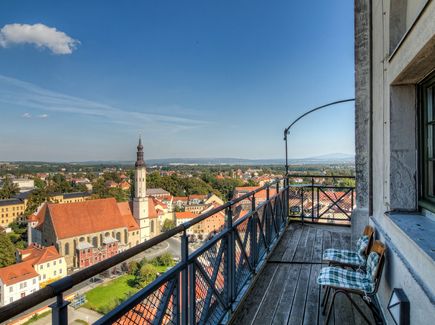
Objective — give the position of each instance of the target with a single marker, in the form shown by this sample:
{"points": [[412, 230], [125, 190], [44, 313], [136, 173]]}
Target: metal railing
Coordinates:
{"points": [[205, 286], [324, 199]]}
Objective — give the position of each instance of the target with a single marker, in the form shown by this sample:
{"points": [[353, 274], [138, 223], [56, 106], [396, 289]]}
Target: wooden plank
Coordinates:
{"points": [[282, 245], [311, 239], [266, 311], [297, 315], [318, 247], [284, 308], [326, 240], [345, 239], [292, 245], [312, 303], [301, 246], [335, 240], [247, 311]]}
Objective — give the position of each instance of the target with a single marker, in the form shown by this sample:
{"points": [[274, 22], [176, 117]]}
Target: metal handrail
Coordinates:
{"points": [[58, 287], [319, 176]]}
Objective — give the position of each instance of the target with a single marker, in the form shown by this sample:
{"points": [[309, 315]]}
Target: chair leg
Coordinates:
{"points": [[327, 293], [355, 305], [375, 312], [331, 307]]}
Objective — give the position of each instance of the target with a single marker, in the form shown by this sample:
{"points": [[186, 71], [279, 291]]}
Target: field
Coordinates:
{"points": [[107, 296]]}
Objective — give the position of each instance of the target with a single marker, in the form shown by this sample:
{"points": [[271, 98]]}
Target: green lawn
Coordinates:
{"points": [[107, 296]]}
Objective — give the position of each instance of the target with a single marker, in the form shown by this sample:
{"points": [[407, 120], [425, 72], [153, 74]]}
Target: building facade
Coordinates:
{"points": [[16, 282], [395, 101]]}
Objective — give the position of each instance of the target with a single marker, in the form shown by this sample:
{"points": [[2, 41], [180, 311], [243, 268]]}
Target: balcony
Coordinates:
{"points": [[260, 268], [286, 291]]}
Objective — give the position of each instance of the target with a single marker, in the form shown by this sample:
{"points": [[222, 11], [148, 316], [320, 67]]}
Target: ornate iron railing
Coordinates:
{"points": [[328, 199], [205, 286]]}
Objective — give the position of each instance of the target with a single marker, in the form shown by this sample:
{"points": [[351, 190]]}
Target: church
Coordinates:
{"points": [[93, 230]]}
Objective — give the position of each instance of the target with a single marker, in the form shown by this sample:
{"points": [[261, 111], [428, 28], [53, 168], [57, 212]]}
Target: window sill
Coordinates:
{"points": [[418, 228]]}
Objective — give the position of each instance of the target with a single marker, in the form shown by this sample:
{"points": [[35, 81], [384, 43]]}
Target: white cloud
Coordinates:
{"points": [[26, 115], [25, 94], [43, 115], [38, 34]]}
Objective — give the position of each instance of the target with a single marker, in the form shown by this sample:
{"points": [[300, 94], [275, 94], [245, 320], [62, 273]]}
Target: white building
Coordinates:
{"points": [[16, 282], [24, 184], [395, 117]]}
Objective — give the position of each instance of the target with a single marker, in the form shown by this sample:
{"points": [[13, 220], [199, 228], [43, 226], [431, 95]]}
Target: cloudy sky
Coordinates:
{"points": [[80, 80]]}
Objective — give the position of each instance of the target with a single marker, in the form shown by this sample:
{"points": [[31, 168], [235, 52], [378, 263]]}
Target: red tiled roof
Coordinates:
{"points": [[197, 196], [17, 272], [125, 209], [185, 215], [80, 218], [181, 198], [36, 254]]}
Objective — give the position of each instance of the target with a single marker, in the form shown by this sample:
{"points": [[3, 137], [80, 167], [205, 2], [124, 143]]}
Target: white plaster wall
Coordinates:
{"points": [[393, 156]]}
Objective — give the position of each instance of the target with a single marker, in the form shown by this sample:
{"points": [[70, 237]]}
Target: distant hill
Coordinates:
{"points": [[334, 158]]}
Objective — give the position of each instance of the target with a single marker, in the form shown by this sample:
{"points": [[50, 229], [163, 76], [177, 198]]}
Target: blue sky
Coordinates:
{"points": [[80, 80]]}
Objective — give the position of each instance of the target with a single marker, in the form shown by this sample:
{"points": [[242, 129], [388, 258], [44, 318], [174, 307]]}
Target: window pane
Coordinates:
{"points": [[430, 179], [430, 142], [430, 106]]}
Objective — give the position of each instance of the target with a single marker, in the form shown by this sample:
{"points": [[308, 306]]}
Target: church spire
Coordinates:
{"points": [[139, 161]]}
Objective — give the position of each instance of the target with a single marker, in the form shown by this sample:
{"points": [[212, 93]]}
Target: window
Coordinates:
{"points": [[11, 289], [11, 299], [427, 141], [54, 262], [67, 249], [55, 272], [60, 271], [34, 281], [42, 266]]}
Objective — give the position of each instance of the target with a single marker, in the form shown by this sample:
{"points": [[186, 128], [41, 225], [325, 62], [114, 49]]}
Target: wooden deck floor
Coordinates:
{"points": [[286, 291]]}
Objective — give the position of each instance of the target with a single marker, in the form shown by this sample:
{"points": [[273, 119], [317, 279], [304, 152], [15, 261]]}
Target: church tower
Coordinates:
{"points": [[140, 201]]}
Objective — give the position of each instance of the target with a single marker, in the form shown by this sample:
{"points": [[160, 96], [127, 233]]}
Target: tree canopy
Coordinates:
{"points": [[9, 189], [7, 251]]}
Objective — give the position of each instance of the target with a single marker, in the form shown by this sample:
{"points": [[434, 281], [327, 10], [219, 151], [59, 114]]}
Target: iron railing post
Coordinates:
{"points": [[267, 219], [312, 199], [59, 311], [253, 244], [184, 279], [318, 202], [288, 200], [192, 294], [230, 258], [302, 205]]}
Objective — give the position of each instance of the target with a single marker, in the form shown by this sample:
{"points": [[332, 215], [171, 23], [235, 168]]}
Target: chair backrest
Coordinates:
{"points": [[369, 231], [379, 248]]}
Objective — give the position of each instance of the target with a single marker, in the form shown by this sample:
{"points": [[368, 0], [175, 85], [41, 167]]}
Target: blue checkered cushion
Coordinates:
{"points": [[372, 265], [361, 246], [349, 279], [343, 256]]}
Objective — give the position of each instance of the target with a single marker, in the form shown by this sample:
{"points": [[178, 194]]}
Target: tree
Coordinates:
{"points": [[9, 189], [168, 224], [133, 267], [145, 275], [7, 251], [39, 183], [166, 259]]}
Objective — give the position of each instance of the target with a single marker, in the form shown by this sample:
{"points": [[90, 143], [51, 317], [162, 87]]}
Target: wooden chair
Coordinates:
{"points": [[378, 248], [348, 258]]}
